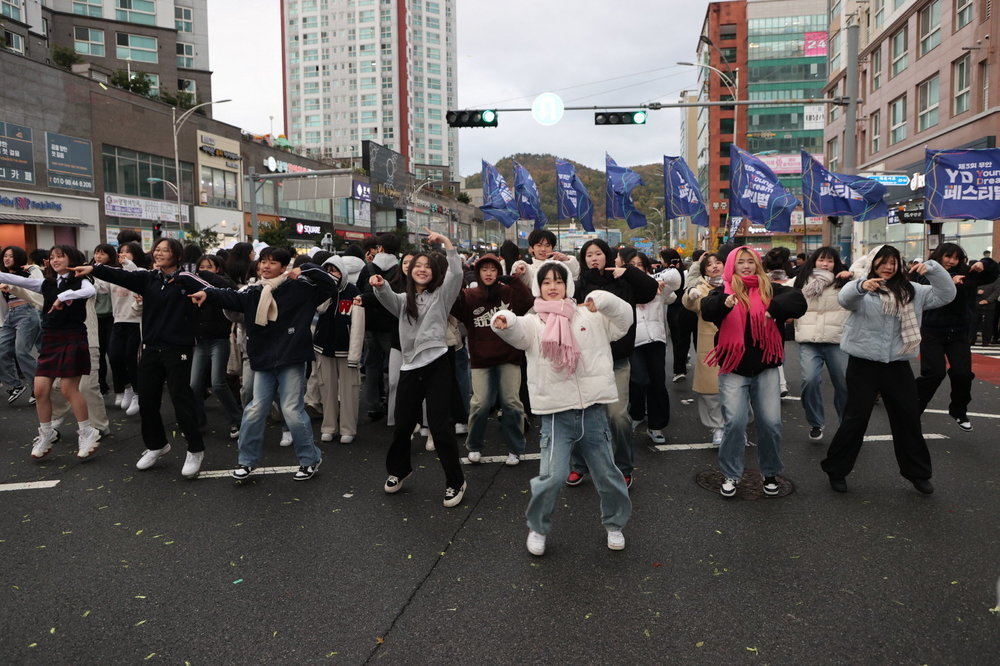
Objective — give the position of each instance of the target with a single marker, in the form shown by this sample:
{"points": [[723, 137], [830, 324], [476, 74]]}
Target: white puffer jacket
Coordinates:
{"points": [[823, 322], [650, 324], [593, 382]]}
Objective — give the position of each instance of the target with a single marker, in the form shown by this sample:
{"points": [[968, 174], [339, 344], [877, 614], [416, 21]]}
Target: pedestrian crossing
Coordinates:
{"points": [[992, 351]]}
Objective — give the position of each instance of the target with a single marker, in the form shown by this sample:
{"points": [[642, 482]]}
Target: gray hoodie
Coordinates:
{"points": [[429, 331]]}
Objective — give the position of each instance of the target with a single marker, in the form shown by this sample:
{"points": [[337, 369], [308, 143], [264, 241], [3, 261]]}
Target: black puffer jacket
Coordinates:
{"points": [[960, 315]]}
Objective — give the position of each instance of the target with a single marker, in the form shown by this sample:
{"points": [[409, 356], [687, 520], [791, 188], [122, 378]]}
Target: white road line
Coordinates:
{"points": [[709, 445], [31, 485], [970, 414], [501, 459]]}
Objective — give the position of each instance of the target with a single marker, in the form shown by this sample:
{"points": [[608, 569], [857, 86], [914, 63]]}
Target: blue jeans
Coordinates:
{"points": [[585, 431], [812, 357], [289, 383], [463, 384], [619, 422], [502, 380], [216, 353], [20, 337], [737, 393]]}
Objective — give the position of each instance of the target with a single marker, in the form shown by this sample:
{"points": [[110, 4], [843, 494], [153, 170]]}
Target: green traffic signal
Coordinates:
{"points": [[475, 118], [620, 118]]}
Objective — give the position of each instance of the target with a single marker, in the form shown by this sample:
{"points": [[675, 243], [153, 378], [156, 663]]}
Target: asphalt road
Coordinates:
{"points": [[113, 565]]}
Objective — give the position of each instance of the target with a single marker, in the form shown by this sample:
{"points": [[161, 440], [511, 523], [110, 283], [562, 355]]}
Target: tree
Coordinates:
{"points": [[274, 233], [65, 57], [207, 239], [463, 197], [138, 82]]}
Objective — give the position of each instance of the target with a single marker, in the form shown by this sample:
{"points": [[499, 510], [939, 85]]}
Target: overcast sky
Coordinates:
{"points": [[590, 52]]}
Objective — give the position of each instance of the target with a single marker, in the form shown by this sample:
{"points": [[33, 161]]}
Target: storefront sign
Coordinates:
{"points": [[814, 44], [387, 170], [307, 229], [814, 116], [277, 166], [785, 164], [17, 161], [70, 162], [24, 203], [362, 191], [142, 209]]}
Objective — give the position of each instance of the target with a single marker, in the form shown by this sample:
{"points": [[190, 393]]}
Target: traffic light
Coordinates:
{"points": [[476, 118], [620, 118], [157, 230]]}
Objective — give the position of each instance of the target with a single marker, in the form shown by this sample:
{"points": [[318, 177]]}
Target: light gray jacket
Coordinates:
{"points": [[430, 329], [872, 335]]}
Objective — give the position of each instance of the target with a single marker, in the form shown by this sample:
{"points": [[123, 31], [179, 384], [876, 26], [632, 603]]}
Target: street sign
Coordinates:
{"points": [[889, 179]]}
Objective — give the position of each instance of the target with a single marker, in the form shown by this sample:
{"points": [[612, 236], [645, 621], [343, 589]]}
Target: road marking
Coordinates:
{"points": [[31, 485], [225, 473], [709, 445], [501, 459], [970, 414]]}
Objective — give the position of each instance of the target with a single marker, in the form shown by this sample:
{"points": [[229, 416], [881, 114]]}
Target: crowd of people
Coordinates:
{"points": [[437, 343]]}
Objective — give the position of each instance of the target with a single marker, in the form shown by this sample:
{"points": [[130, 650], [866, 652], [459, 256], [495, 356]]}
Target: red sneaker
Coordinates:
{"points": [[574, 479]]}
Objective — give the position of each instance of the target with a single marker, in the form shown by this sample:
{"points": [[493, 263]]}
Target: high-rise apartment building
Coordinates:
{"points": [[383, 70], [165, 39]]}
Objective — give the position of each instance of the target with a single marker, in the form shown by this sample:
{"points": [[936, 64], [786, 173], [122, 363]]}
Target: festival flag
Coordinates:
{"points": [[526, 195], [756, 194], [681, 192], [572, 197], [828, 193], [498, 200], [963, 184], [618, 200]]}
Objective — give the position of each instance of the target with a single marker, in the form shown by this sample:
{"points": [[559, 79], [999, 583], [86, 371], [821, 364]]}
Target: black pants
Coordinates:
{"points": [[895, 382], [647, 385], [984, 324], [104, 326], [935, 349], [125, 340], [170, 366], [433, 382], [683, 323]]}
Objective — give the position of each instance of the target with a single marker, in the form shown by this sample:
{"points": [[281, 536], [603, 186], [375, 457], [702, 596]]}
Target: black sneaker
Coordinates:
{"points": [[840, 485], [923, 485], [241, 472], [15, 393], [454, 497], [307, 472], [770, 486], [815, 433], [964, 423]]}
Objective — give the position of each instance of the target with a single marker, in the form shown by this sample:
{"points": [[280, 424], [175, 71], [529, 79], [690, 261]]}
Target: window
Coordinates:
{"points": [[727, 31], [833, 154], [876, 61], [963, 13], [136, 11], [961, 81], [11, 9], [218, 188], [434, 98], [875, 131], [928, 98], [834, 48], [88, 41], [88, 7], [432, 7], [126, 171], [188, 87], [183, 19], [136, 47], [185, 55], [369, 100], [433, 53], [929, 24], [13, 42], [366, 16], [897, 120], [898, 45], [879, 11]]}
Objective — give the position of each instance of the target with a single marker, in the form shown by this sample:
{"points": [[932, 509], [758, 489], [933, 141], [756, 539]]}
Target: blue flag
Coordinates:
{"points": [[963, 184], [756, 194], [681, 192], [572, 197], [498, 200], [828, 193], [618, 200], [526, 194]]}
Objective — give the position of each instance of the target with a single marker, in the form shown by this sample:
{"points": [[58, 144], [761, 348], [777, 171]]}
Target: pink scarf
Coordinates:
{"points": [[558, 344], [732, 333]]}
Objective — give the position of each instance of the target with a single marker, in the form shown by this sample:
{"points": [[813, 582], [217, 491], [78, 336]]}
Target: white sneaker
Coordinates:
{"points": [[127, 398], [717, 437], [536, 543], [512, 460], [429, 445], [118, 399], [346, 439], [656, 436], [149, 457], [192, 464], [286, 438], [42, 444], [326, 437], [424, 431], [87, 442], [616, 540], [461, 429], [728, 487], [133, 408], [475, 456]]}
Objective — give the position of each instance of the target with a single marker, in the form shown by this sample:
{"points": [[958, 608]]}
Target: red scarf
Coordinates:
{"points": [[732, 333]]}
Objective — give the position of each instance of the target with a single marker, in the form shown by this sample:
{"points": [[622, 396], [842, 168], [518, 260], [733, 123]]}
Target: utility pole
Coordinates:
{"points": [[846, 240]]}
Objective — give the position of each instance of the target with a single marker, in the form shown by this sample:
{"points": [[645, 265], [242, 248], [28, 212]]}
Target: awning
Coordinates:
{"points": [[16, 218]]}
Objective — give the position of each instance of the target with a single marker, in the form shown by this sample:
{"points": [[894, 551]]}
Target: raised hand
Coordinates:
{"points": [[198, 297], [616, 271], [500, 322], [82, 270], [376, 280]]}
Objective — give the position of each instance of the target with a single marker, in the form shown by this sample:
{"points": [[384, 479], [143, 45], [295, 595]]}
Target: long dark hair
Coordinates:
{"points": [[951, 250], [437, 277], [109, 250], [238, 263], [898, 285], [826, 251], [138, 256], [20, 260], [647, 265], [70, 252]]}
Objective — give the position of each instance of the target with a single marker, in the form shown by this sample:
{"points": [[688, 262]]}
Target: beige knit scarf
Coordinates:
{"points": [[267, 309]]}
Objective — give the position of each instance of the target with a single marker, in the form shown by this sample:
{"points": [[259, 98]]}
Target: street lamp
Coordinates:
{"points": [[731, 84], [177, 123]]}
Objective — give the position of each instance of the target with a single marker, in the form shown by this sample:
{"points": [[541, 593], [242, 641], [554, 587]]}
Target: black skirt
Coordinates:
{"points": [[65, 353]]}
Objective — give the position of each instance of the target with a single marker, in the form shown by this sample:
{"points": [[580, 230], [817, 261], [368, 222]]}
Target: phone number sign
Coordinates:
{"points": [[70, 162]]}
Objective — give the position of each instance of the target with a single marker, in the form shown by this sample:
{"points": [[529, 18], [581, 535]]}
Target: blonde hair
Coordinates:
{"points": [[763, 284]]}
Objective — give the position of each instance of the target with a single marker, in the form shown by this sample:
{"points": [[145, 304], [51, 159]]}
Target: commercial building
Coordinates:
{"points": [[377, 70], [928, 78]]}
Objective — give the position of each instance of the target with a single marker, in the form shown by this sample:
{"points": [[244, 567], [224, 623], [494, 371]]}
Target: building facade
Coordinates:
{"points": [[378, 70]]}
